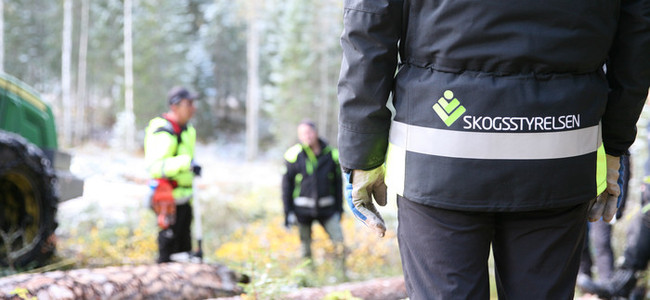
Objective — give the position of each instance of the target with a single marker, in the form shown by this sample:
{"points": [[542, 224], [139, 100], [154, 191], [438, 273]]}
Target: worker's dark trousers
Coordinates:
{"points": [[637, 250], [598, 243], [178, 237], [445, 252]]}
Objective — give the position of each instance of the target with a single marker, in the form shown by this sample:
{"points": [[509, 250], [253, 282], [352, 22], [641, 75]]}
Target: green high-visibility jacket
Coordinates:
{"points": [[169, 156]]}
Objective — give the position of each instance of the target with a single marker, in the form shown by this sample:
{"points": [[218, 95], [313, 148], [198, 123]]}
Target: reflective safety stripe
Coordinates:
{"points": [[601, 170], [311, 202], [304, 202], [495, 145], [182, 200], [395, 169], [326, 201], [298, 185], [312, 162]]}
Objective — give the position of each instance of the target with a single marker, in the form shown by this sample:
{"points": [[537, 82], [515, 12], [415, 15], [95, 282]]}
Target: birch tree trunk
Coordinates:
{"points": [[66, 55], [128, 75], [2, 36], [253, 85], [81, 73], [161, 281], [323, 71]]}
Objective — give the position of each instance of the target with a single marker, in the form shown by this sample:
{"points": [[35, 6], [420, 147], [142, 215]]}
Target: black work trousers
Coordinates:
{"points": [[637, 249], [598, 242], [445, 252], [178, 237]]}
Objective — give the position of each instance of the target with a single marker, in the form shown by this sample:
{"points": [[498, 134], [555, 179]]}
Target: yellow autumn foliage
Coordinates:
{"points": [[263, 243], [101, 245]]}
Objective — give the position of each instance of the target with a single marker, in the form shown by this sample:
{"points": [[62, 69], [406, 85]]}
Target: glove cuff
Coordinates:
{"points": [[613, 160]]}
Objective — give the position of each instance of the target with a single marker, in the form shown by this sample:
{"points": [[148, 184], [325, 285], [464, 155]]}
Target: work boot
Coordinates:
{"points": [[165, 245], [620, 285]]}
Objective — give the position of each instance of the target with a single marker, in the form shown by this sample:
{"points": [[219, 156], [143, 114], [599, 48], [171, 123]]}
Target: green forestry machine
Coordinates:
{"points": [[34, 176]]}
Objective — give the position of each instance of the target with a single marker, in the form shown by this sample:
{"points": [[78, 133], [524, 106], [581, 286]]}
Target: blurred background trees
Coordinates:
{"points": [[206, 45]]}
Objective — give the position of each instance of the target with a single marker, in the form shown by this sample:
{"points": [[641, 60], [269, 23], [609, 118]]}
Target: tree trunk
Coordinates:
{"points": [[2, 36], [81, 74], [323, 72], [162, 281], [128, 75], [66, 54], [375, 289], [253, 87]]}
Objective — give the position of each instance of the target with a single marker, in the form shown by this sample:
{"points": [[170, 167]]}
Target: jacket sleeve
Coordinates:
{"points": [[370, 50], [160, 162], [628, 73], [338, 183], [288, 185]]}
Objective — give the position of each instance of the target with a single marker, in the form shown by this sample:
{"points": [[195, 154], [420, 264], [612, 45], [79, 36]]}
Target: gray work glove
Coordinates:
{"points": [[607, 202], [360, 187]]}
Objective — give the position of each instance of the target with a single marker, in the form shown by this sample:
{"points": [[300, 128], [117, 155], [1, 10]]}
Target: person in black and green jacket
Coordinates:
{"points": [[312, 187], [169, 154]]}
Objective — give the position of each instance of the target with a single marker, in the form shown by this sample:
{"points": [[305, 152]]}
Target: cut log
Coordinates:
{"points": [[160, 281], [376, 289]]}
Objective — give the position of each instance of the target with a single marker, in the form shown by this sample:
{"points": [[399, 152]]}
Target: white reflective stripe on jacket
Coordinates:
{"points": [[495, 145], [311, 202]]}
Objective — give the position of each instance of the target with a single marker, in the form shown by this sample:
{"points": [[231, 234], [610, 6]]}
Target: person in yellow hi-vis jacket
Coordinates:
{"points": [[169, 155]]}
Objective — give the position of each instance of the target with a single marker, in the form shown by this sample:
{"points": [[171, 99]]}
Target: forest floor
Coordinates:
{"points": [[242, 221]]}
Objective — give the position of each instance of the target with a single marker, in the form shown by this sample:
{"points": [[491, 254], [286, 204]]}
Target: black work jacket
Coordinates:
{"points": [[312, 177], [498, 105]]}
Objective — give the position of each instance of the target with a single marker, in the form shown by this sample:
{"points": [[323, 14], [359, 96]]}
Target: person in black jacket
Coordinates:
{"points": [[598, 239], [312, 187], [503, 132], [635, 255], [635, 260]]}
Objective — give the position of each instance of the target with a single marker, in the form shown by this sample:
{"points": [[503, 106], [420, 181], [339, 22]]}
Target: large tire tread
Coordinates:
{"points": [[18, 156]]}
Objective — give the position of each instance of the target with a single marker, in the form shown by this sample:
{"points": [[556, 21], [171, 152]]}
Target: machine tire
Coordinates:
{"points": [[28, 203]]}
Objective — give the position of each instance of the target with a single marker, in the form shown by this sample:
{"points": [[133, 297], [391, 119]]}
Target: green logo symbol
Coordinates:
{"points": [[448, 108]]}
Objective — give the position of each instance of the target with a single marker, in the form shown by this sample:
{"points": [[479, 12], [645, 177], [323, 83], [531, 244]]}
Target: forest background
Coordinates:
{"points": [[260, 66]]}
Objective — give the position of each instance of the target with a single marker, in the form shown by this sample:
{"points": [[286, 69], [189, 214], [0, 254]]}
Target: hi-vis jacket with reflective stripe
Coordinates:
{"points": [[500, 105], [166, 158], [314, 180]]}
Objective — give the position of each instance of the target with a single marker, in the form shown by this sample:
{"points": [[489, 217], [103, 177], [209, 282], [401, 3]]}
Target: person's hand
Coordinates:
{"points": [[196, 168], [291, 220], [607, 202], [360, 187]]}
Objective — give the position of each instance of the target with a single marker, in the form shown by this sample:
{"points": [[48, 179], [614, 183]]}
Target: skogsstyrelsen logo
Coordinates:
{"points": [[448, 108]]}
